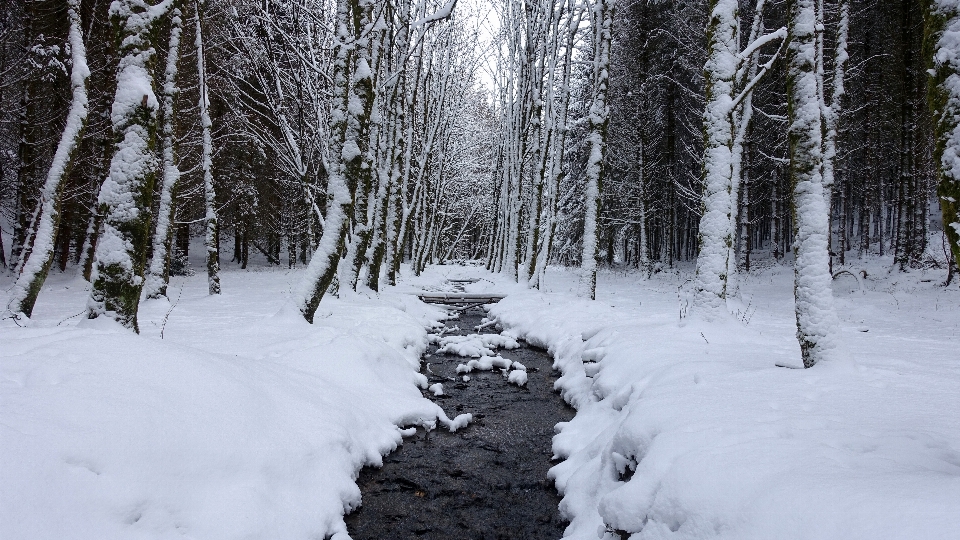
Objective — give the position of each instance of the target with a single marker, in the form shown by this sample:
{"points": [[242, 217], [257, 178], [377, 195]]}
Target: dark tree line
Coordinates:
{"points": [[883, 197]]}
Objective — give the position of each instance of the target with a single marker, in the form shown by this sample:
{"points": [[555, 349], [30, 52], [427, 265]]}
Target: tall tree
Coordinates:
{"points": [[943, 48], [601, 19], [126, 194], [158, 273], [39, 258], [211, 240], [817, 323]]}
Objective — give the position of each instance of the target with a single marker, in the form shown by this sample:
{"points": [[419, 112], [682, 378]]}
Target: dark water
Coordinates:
{"points": [[486, 481]]}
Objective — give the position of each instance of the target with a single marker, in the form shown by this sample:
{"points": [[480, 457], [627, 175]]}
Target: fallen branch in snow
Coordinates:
{"points": [[167, 316], [855, 276]]}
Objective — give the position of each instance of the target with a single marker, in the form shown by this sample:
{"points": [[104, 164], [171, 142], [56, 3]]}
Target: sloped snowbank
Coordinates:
{"points": [[243, 422], [689, 431]]}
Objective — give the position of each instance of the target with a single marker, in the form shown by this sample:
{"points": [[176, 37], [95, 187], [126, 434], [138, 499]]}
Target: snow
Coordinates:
{"points": [[517, 377], [475, 345], [437, 389], [687, 429], [243, 421], [484, 363]]}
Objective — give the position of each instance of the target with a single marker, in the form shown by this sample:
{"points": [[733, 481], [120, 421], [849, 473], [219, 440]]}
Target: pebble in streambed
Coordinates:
{"points": [[487, 481]]}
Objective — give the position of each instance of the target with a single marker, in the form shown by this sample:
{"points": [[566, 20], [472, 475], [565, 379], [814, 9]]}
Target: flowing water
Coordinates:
{"points": [[486, 481]]}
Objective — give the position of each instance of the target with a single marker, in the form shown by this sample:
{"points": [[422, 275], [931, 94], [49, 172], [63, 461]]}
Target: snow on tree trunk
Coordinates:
{"points": [[353, 95], [37, 264], [943, 48], [210, 195], [817, 322], [602, 18], [831, 111], [158, 273], [126, 193], [716, 235]]}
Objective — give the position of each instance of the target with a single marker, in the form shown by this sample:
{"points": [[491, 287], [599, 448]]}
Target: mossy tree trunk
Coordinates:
{"points": [[942, 45], [125, 197]]}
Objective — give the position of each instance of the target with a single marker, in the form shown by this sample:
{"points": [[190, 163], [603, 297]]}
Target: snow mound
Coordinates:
{"points": [[485, 363], [517, 377], [475, 345]]}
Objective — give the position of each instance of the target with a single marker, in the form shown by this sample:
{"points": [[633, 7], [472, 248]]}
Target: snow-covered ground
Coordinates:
{"points": [[690, 430], [228, 418]]}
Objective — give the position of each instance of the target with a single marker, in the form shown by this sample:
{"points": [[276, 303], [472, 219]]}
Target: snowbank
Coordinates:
{"points": [[243, 422], [689, 430]]}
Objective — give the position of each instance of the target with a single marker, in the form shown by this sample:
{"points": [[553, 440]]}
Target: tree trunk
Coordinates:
{"points": [[716, 238], [817, 323], [602, 20], [37, 262], [943, 49], [126, 194], [158, 273], [210, 239]]}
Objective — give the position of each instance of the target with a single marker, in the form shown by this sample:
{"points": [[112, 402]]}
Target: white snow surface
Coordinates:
{"points": [[242, 422], [688, 430], [246, 422]]}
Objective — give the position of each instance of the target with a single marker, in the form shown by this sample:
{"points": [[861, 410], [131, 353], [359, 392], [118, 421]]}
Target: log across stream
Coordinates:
{"points": [[486, 481]]}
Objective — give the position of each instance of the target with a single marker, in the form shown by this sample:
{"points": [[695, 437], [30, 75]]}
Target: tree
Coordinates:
{"points": [[158, 274], [726, 87], [601, 18], [817, 323], [37, 262], [211, 239], [126, 194], [943, 48]]}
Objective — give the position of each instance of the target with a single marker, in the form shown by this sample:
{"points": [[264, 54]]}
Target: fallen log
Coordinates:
{"points": [[456, 299]]}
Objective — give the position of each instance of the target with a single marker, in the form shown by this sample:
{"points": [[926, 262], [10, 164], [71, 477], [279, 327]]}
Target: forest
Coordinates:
{"points": [[289, 202], [359, 136]]}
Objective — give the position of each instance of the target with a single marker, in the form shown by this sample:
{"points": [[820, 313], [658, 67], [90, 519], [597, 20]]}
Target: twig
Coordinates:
{"points": [[70, 317], [167, 316]]}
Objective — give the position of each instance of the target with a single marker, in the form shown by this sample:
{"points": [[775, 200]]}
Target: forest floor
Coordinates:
{"points": [[229, 417]]}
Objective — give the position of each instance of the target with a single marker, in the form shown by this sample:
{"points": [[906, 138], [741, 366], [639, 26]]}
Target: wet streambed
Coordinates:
{"points": [[486, 481]]}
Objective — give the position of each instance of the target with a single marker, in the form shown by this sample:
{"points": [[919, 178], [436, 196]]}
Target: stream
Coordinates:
{"points": [[486, 481]]}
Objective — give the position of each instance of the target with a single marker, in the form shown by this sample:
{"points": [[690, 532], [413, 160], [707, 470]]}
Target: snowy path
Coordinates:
{"points": [[488, 481]]}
